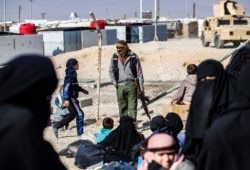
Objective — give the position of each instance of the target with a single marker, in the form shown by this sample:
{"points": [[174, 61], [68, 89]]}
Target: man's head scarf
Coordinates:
{"points": [[122, 48]]}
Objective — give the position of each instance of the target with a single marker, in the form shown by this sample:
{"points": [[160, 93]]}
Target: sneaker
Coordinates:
{"points": [[55, 130]]}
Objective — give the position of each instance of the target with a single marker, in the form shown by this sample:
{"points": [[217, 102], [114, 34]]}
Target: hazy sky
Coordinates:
{"points": [[61, 9]]}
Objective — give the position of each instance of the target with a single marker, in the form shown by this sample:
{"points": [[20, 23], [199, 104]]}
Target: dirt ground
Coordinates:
{"points": [[163, 64]]}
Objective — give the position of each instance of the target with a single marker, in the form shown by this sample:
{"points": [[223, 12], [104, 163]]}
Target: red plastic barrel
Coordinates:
{"points": [[101, 24], [27, 28]]}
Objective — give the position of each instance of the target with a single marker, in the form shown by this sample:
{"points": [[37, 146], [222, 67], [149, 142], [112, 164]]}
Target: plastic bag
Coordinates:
{"points": [[88, 154]]}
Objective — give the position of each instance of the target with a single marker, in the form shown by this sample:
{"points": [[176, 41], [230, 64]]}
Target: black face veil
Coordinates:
{"points": [[208, 103], [208, 98]]}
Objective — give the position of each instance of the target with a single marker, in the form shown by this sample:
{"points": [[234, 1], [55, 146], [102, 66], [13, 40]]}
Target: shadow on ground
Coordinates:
{"points": [[88, 122]]}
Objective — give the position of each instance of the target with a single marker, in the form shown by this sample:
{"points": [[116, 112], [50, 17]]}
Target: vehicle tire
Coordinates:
{"points": [[204, 43], [217, 42], [236, 44]]}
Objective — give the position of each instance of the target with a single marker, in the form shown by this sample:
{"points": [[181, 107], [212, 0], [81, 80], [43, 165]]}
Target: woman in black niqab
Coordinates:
{"points": [[209, 101], [226, 143], [121, 140], [27, 83]]}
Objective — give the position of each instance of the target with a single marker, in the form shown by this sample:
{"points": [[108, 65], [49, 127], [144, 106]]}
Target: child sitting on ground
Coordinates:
{"points": [[108, 124]]}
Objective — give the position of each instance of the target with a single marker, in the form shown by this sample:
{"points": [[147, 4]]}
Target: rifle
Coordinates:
{"points": [[160, 96], [142, 98]]}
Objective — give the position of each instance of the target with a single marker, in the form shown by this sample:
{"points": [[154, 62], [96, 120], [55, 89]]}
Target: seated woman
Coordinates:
{"points": [[119, 142]]}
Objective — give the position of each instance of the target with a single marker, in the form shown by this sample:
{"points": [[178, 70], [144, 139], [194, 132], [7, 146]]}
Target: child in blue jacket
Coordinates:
{"points": [[71, 91], [108, 124]]}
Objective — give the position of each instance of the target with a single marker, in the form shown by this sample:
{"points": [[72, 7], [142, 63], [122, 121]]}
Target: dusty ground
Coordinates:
{"points": [[163, 64]]}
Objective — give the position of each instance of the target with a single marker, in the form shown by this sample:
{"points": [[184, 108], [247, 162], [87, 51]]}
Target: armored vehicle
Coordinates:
{"points": [[229, 25]]}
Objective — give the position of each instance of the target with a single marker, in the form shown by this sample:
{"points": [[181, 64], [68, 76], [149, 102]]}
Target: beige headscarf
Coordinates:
{"points": [[122, 48]]}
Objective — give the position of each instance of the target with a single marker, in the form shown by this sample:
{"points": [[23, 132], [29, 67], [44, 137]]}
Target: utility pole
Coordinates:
{"points": [[157, 8], [4, 14], [140, 9], [156, 18], [194, 10], [187, 14], [43, 15], [31, 8], [19, 13]]}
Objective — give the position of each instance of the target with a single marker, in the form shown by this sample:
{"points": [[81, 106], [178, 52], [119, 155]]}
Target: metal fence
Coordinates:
{"points": [[163, 63]]}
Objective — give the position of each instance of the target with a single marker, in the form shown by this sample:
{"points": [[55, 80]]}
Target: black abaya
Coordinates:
{"points": [[27, 82], [209, 101]]}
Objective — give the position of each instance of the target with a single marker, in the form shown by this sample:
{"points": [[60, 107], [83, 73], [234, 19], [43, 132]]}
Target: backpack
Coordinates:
{"points": [[132, 66]]}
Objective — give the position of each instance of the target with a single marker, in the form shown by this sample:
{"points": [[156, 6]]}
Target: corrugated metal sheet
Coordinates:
{"points": [[120, 30], [14, 45], [90, 38], [147, 33], [140, 33], [109, 36], [56, 42]]}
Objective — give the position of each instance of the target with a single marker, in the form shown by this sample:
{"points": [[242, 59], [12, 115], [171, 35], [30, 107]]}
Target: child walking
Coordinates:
{"points": [[71, 91], [61, 112]]}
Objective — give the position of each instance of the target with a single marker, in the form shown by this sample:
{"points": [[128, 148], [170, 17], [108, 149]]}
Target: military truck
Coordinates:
{"points": [[229, 25]]}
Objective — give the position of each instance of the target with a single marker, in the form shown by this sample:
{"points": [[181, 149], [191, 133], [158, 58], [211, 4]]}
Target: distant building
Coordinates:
{"points": [[146, 14]]}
